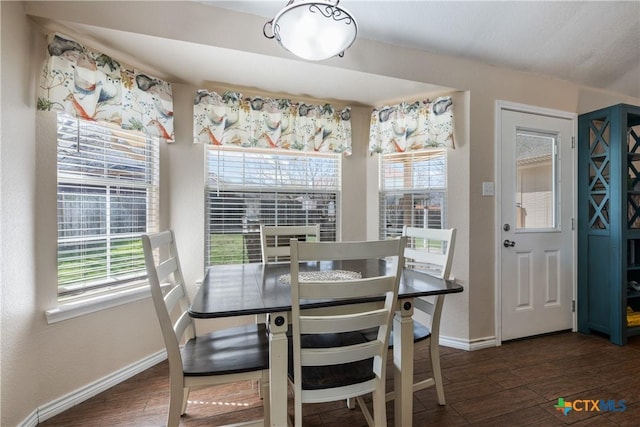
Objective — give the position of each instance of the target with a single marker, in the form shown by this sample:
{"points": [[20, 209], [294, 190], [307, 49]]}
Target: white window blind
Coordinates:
{"points": [[107, 198], [412, 191], [247, 187]]}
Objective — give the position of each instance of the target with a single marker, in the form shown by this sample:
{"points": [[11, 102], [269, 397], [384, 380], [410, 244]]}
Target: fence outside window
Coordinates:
{"points": [[247, 188]]}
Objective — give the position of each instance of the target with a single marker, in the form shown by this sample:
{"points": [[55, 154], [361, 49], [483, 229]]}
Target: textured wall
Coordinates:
{"points": [[41, 363]]}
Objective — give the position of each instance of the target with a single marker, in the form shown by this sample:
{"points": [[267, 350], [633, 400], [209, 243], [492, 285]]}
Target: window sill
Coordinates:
{"points": [[87, 305]]}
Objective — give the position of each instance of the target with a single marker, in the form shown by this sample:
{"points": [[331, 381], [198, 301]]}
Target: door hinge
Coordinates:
{"points": [[573, 224], [573, 306], [573, 142]]}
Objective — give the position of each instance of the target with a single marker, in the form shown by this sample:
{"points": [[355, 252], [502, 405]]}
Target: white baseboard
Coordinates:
{"points": [[31, 420], [63, 403], [468, 345]]}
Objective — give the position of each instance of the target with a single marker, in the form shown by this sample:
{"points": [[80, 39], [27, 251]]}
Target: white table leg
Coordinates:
{"points": [[403, 363], [278, 349]]}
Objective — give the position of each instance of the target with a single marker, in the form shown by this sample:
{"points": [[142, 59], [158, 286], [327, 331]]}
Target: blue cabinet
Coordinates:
{"points": [[609, 222]]}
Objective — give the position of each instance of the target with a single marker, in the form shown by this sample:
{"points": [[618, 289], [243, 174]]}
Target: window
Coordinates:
{"points": [[107, 198], [247, 187], [412, 191], [536, 170]]}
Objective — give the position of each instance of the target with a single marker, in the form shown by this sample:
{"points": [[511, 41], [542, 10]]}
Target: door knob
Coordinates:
{"points": [[509, 243]]}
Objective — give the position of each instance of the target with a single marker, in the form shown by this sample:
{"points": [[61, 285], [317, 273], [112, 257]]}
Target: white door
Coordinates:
{"points": [[536, 207]]}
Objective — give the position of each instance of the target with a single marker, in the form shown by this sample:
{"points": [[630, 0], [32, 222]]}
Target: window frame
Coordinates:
{"points": [[407, 188], [121, 197]]}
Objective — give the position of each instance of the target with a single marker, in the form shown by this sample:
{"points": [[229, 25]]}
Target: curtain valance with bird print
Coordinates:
{"points": [[96, 87], [231, 119], [412, 127]]}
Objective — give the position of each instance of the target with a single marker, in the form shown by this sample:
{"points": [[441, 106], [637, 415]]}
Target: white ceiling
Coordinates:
{"points": [[595, 43]]}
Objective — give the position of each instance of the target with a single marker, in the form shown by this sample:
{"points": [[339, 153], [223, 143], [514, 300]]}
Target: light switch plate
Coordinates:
{"points": [[488, 189]]}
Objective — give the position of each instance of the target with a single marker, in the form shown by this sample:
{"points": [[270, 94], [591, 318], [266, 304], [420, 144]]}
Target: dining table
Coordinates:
{"points": [[264, 289]]}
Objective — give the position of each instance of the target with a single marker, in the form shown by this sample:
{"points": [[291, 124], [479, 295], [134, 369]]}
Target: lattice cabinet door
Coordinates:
{"points": [[599, 144], [633, 173]]}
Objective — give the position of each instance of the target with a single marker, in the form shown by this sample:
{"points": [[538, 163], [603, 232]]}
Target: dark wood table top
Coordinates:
{"points": [[255, 288]]}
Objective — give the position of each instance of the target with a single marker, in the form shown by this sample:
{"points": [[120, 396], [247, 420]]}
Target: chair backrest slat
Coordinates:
{"points": [[162, 238], [342, 322], [356, 288], [183, 323], [423, 256], [344, 251], [166, 269], [336, 356], [173, 297], [278, 252]]}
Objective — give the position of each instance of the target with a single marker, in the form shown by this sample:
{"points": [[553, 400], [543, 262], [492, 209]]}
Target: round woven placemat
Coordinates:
{"points": [[328, 275]]}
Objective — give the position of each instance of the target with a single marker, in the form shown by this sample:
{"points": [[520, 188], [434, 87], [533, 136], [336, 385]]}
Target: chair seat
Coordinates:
{"points": [[228, 351], [420, 332], [322, 377]]}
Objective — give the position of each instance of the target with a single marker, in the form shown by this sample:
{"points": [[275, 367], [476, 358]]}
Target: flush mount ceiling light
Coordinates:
{"points": [[313, 30]]}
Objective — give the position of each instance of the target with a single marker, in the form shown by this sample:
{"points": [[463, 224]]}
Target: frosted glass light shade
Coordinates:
{"points": [[315, 30]]}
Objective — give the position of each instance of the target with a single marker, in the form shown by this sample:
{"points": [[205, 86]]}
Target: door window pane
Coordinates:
{"points": [[536, 198]]}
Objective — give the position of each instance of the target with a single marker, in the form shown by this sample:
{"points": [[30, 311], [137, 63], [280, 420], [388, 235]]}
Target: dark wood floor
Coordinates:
{"points": [[516, 384]]}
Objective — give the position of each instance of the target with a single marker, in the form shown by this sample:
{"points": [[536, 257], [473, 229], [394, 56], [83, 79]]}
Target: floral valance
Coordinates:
{"points": [[232, 119], [412, 127], [94, 86]]}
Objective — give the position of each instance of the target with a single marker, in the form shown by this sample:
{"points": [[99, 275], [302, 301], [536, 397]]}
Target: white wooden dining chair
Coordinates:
{"points": [[330, 359], [274, 239], [196, 361], [430, 250]]}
